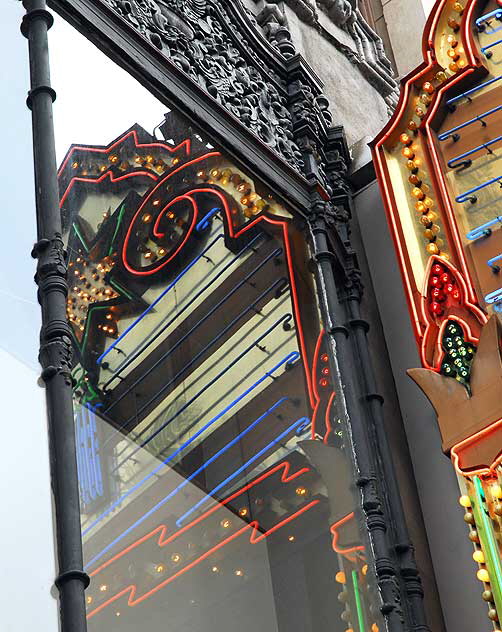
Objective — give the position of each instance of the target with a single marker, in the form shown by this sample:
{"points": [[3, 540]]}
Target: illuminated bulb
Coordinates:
{"points": [[239, 572], [418, 193], [117, 614], [113, 158], [458, 7], [452, 54], [425, 98], [374, 628], [420, 112], [432, 249], [226, 523], [478, 556], [175, 161], [74, 165], [453, 24], [324, 357], [428, 87], [408, 153], [464, 501], [496, 491], [453, 67], [429, 203], [89, 599], [149, 159], [171, 215], [214, 173], [103, 588], [215, 569], [420, 207], [201, 174], [175, 557], [291, 538], [147, 218], [159, 568], [452, 41], [301, 491], [461, 63], [405, 139], [243, 511], [161, 252], [483, 575], [156, 202]]}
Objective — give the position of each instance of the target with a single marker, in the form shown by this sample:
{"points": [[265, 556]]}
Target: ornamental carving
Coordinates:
{"points": [[203, 39]]}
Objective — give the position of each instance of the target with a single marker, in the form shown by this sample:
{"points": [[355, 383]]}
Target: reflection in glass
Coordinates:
{"points": [[215, 488]]}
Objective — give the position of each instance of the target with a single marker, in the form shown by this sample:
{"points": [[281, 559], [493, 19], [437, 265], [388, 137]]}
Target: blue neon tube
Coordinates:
{"points": [[468, 93], [484, 20], [288, 359], [451, 163], [463, 197], [484, 229], [208, 346], [237, 287], [136, 354], [291, 357], [204, 222], [157, 300], [187, 480], [241, 469], [491, 262], [446, 135], [197, 395], [485, 48], [494, 297], [283, 319]]}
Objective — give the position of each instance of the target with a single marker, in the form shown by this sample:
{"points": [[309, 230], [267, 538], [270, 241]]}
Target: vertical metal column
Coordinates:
{"points": [[349, 407], [55, 341]]}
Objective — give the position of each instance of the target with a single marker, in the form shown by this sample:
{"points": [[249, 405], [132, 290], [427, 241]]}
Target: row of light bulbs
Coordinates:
{"points": [[478, 556]]}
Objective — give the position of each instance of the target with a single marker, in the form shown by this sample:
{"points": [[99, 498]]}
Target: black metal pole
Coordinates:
{"points": [[404, 548], [55, 342], [334, 317]]}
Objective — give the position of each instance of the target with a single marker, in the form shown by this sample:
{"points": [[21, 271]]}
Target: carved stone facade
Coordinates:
{"points": [[203, 38]]}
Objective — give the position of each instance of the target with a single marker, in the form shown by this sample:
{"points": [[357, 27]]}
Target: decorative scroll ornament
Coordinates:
{"points": [[202, 38]]}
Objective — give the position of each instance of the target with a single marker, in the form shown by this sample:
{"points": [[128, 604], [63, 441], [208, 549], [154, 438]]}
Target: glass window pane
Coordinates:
{"points": [[215, 486]]}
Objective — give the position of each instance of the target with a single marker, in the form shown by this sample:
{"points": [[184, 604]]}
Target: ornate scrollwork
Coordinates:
{"points": [[202, 38]]}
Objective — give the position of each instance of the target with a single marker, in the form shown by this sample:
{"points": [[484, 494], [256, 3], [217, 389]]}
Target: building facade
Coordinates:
{"points": [[249, 451]]}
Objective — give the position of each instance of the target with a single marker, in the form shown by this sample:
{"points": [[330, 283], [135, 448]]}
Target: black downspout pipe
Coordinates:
{"points": [[55, 341], [334, 317], [404, 548]]}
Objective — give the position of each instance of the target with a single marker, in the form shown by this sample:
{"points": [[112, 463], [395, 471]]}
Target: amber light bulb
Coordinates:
{"points": [[452, 41], [418, 193], [411, 166], [453, 24], [454, 67], [428, 87], [452, 54], [408, 153], [458, 7], [406, 139], [414, 179], [413, 126], [432, 248]]}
